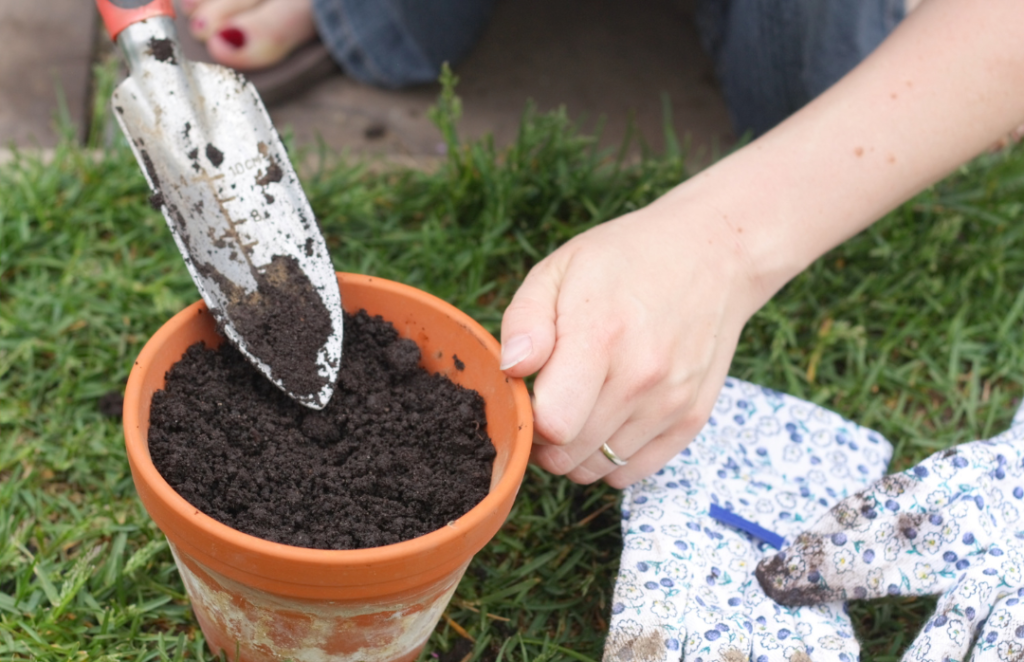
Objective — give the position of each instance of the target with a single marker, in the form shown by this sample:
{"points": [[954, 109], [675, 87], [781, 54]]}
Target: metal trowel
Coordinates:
{"points": [[221, 177]]}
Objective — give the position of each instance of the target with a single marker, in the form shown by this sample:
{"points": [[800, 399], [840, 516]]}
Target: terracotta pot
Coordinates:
{"points": [[260, 601]]}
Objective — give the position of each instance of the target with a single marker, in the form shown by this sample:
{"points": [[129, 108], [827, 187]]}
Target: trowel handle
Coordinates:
{"points": [[119, 14]]}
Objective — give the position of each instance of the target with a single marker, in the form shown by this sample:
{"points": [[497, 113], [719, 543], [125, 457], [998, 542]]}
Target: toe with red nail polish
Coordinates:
{"points": [[248, 35], [233, 36]]}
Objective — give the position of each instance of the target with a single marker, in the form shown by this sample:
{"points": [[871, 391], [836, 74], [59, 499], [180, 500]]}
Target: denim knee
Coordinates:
{"points": [[396, 43], [773, 56]]}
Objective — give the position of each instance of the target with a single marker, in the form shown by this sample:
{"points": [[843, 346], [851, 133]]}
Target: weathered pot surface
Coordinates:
{"points": [[260, 601]]}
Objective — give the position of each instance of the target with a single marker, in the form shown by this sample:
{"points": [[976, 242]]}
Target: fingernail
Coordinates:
{"points": [[197, 25], [514, 351], [233, 36]]}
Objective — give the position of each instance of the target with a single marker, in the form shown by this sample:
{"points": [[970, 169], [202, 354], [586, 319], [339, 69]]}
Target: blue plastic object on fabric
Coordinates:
{"points": [[732, 519], [764, 467]]}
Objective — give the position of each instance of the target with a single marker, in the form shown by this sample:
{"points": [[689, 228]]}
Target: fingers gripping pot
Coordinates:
{"points": [[258, 600]]}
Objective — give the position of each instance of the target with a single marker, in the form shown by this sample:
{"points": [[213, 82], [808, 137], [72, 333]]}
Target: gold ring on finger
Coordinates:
{"points": [[612, 457]]}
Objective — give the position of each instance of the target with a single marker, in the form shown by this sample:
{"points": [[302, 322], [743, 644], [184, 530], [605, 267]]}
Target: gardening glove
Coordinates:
{"points": [[764, 466], [951, 526]]}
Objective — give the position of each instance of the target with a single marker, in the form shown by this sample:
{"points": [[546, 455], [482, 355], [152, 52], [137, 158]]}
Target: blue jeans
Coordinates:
{"points": [[397, 43], [771, 56]]}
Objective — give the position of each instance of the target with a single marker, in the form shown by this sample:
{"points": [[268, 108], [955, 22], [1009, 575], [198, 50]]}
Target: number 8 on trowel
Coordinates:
{"points": [[221, 177]]}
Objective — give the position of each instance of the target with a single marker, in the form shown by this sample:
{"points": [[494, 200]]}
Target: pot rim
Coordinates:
{"points": [[506, 487]]}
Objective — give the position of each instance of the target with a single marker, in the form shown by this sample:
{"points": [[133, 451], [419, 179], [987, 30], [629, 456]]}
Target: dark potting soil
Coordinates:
{"points": [[270, 317], [397, 453]]}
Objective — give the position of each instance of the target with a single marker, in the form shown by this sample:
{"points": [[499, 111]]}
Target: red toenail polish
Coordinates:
{"points": [[233, 36]]}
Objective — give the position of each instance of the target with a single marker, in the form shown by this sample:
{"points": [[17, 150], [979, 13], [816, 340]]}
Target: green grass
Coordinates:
{"points": [[913, 328]]}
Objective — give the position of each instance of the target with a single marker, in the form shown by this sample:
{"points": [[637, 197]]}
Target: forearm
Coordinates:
{"points": [[633, 324], [945, 85]]}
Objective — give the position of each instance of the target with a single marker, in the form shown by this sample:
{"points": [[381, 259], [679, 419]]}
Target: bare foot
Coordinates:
{"points": [[250, 34]]}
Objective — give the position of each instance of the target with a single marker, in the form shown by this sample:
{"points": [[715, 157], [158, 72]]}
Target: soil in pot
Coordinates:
{"points": [[397, 453]]}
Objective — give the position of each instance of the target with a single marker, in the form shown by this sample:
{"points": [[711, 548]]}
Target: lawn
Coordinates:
{"points": [[912, 328]]}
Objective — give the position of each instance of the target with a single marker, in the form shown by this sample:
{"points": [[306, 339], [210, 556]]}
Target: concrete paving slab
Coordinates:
{"points": [[44, 46], [605, 60]]}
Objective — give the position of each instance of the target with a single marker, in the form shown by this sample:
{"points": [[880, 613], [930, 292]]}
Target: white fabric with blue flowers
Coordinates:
{"points": [[686, 587], [951, 526]]}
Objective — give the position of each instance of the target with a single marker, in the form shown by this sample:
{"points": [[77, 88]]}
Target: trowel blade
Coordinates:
{"points": [[223, 180]]}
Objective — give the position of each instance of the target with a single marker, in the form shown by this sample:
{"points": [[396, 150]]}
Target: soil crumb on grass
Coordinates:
{"points": [[111, 404], [396, 454]]}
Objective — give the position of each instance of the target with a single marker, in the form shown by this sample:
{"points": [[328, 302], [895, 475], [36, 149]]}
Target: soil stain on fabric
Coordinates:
{"points": [[909, 524], [780, 585], [397, 453], [647, 644]]}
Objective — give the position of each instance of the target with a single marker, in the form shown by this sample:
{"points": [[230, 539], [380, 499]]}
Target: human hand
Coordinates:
{"points": [[950, 526], [686, 588], [633, 325]]}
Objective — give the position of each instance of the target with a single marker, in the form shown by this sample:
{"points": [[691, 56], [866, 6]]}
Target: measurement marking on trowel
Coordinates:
{"points": [[232, 229], [240, 167]]}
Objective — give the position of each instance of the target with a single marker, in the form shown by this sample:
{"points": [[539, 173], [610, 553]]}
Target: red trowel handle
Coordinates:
{"points": [[119, 14]]}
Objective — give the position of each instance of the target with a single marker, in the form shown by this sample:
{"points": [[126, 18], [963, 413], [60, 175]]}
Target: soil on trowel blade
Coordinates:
{"points": [[271, 318], [397, 453]]}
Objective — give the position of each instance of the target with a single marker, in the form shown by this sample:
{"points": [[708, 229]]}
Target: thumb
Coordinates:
{"points": [[528, 325]]}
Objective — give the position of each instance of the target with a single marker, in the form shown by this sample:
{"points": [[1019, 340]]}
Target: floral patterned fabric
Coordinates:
{"points": [[951, 526], [686, 588]]}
